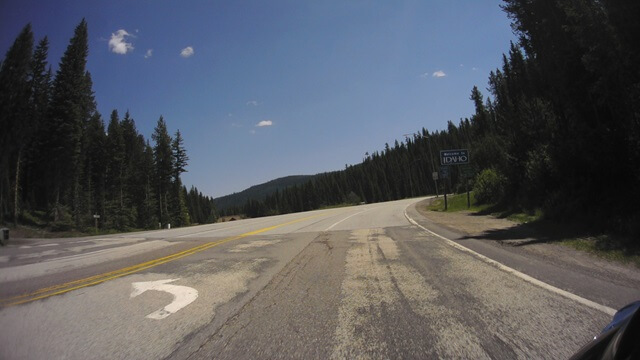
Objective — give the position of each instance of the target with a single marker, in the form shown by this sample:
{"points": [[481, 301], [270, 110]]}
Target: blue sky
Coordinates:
{"points": [[328, 80]]}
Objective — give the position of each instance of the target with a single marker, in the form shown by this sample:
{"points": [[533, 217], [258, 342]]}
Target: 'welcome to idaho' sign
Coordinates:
{"points": [[454, 157]]}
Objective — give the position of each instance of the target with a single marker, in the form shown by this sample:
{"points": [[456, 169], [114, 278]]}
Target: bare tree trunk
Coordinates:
{"points": [[90, 197], [1, 202], [55, 209], [166, 208], [121, 194], [77, 206], [16, 199], [160, 198]]}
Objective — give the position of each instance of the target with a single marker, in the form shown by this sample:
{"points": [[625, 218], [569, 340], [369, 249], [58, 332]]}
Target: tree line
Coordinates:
{"points": [[559, 132], [60, 165], [565, 120], [397, 172]]}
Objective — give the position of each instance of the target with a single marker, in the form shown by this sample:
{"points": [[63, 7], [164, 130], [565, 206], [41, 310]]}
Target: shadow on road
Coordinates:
{"points": [[530, 233], [542, 231]]}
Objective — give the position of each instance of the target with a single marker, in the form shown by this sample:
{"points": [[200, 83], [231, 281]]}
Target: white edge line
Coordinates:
{"points": [[525, 277], [348, 217]]}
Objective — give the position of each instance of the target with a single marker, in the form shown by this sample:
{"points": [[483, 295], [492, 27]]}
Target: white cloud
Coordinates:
{"points": [[425, 75], [253, 103], [148, 54], [118, 42], [252, 131], [474, 68], [439, 74], [264, 123], [186, 52]]}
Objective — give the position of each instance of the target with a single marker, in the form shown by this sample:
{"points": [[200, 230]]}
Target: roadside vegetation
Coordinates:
{"points": [[62, 167], [458, 202], [556, 138], [607, 246]]}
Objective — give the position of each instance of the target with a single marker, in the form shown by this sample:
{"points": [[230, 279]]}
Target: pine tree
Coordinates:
{"points": [[69, 110], [115, 206], [137, 169], [14, 117], [96, 164], [180, 156], [164, 168], [80, 204], [132, 190], [179, 211], [57, 156], [150, 208], [38, 109]]}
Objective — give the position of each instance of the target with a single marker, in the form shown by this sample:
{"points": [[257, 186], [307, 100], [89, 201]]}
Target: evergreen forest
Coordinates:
{"points": [[559, 130], [62, 167]]}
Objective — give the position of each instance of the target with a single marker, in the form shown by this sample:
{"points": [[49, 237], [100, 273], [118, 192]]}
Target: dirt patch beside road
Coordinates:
{"points": [[465, 222], [536, 243]]}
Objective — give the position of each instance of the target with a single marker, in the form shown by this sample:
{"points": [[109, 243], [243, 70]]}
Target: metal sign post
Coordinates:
{"points": [[453, 157], [444, 174], [434, 175], [96, 217], [467, 173], [466, 184]]}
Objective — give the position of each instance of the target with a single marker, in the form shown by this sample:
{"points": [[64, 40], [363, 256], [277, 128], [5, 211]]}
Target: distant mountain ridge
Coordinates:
{"points": [[260, 191]]}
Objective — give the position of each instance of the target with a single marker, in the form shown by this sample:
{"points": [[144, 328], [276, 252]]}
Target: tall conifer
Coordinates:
{"points": [[164, 168], [14, 101], [68, 113]]}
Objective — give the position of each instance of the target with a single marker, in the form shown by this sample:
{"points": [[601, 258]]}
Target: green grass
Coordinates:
{"points": [[25, 231], [525, 217], [37, 224], [457, 203], [606, 247]]}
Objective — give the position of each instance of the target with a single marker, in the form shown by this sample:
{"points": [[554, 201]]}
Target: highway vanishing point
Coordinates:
{"points": [[369, 282]]}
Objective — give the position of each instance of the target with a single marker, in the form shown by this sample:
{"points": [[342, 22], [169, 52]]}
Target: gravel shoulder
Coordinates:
{"points": [[520, 247]]}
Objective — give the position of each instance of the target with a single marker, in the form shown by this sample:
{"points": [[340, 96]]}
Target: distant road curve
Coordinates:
{"points": [[368, 281]]}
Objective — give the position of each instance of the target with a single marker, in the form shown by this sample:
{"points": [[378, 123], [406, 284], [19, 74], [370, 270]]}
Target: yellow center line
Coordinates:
{"points": [[126, 269], [100, 278]]}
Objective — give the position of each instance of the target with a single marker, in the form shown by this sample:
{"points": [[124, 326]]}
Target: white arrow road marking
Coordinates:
{"points": [[182, 296]]}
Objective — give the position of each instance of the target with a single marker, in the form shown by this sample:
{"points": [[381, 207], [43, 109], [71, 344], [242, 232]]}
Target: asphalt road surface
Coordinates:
{"points": [[357, 282]]}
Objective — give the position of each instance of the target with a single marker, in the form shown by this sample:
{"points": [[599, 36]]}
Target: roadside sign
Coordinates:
{"points": [[444, 172], [96, 216], [434, 175], [454, 157]]}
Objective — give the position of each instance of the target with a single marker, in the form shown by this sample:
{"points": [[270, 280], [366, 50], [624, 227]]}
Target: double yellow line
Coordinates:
{"points": [[97, 279]]}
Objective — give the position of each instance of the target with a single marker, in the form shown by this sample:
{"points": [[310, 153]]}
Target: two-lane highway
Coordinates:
{"points": [[340, 283]]}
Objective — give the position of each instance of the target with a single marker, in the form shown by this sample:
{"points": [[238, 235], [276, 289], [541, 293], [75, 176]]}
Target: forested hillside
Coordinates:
{"points": [[259, 192], [60, 165], [560, 130]]}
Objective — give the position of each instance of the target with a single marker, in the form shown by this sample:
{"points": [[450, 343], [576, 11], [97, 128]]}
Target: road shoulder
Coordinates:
{"points": [[596, 279]]}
